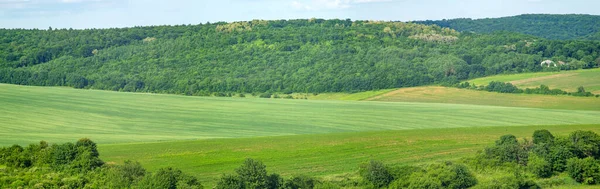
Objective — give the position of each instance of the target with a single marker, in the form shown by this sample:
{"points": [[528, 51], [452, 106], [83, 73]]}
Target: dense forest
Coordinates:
{"points": [[526, 162], [560, 27], [279, 56]]}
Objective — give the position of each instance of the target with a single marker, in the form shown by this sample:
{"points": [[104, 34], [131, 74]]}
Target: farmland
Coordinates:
{"points": [[63, 114], [328, 156], [565, 80], [436, 94]]}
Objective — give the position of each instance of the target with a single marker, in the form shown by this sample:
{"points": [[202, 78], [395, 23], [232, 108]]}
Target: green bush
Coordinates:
{"points": [[300, 182], [585, 143], [542, 136], [539, 166], [376, 173], [585, 170]]}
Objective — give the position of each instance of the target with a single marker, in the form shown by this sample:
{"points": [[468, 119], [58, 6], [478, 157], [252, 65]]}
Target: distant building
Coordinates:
{"points": [[547, 63]]}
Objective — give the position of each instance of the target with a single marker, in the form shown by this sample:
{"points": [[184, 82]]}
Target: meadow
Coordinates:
{"points": [[328, 156], [565, 80], [438, 94], [30, 114]]}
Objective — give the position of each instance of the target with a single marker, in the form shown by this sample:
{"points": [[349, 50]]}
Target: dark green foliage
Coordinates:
{"points": [[542, 25], [78, 165], [545, 90], [229, 182], [376, 173], [168, 178], [253, 173], [558, 157], [543, 136], [280, 56], [585, 170], [447, 175], [585, 143], [265, 95], [539, 166], [300, 182], [274, 181], [501, 87], [581, 92], [508, 149]]}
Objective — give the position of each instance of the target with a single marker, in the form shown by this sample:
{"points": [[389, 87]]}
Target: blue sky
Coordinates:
{"points": [[126, 13]]}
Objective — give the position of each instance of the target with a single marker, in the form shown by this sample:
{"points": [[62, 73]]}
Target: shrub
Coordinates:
{"points": [[376, 173], [543, 136], [508, 149], [585, 143], [585, 170], [229, 182], [538, 166], [253, 174], [265, 95], [300, 182]]}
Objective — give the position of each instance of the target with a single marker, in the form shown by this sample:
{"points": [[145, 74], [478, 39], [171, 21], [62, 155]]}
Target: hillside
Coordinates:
{"points": [[561, 27], [565, 80], [280, 56], [63, 114], [332, 157], [436, 94]]}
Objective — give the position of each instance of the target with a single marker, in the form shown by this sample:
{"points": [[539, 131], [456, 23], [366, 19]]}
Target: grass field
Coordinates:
{"points": [[565, 80], [29, 114], [464, 96], [329, 156]]}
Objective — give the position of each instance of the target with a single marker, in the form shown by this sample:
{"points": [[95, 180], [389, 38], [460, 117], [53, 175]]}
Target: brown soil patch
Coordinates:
{"points": [[407, 90], [556, 76]]}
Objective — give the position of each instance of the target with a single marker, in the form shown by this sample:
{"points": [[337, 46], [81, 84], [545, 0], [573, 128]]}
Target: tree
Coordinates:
{"points": [[376, 173], [585, 170], [585, 143], [542, 136], [253, 174], [539, 166]]}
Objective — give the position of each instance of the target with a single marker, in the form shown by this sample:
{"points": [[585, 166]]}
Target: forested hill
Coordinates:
{"points": [[563, 27], [274, 56]]}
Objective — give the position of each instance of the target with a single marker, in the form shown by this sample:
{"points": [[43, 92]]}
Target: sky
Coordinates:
{"points": [[79, 14]]}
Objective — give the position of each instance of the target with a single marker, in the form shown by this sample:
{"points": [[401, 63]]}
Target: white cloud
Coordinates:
{"points": [[329, 4]]}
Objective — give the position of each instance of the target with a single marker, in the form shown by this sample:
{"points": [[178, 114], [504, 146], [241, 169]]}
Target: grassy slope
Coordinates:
{"points": [[566, 80], [324, 155], [464, 96], [29, 114]]}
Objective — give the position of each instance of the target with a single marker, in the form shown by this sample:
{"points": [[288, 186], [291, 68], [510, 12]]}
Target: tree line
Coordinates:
{"points": [[277, 56], [560, 27], [76, 165], [505, 87]]}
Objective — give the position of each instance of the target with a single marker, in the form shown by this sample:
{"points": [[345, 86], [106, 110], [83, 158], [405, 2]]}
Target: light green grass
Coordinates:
{"points": [[565, 80], [465, 96], [322, 155], [29, 114]]}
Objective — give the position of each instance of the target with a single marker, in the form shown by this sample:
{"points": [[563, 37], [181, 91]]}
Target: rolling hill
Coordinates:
{"points": [[565, 80], [30, 114], [276, 56], [562, 27]]}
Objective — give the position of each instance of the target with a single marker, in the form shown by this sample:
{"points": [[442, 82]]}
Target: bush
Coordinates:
{"points": [[376, 173], [253, 174], [585, 143], [543, 136], [229, 182], [265, 95], [508, 149], [300, 182], [586, 171], [538, 166]]}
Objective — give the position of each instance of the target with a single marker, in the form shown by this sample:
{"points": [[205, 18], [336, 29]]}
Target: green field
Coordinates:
{"points": [[465, 96], [565, 80], [29, 114], [329, 156]]}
